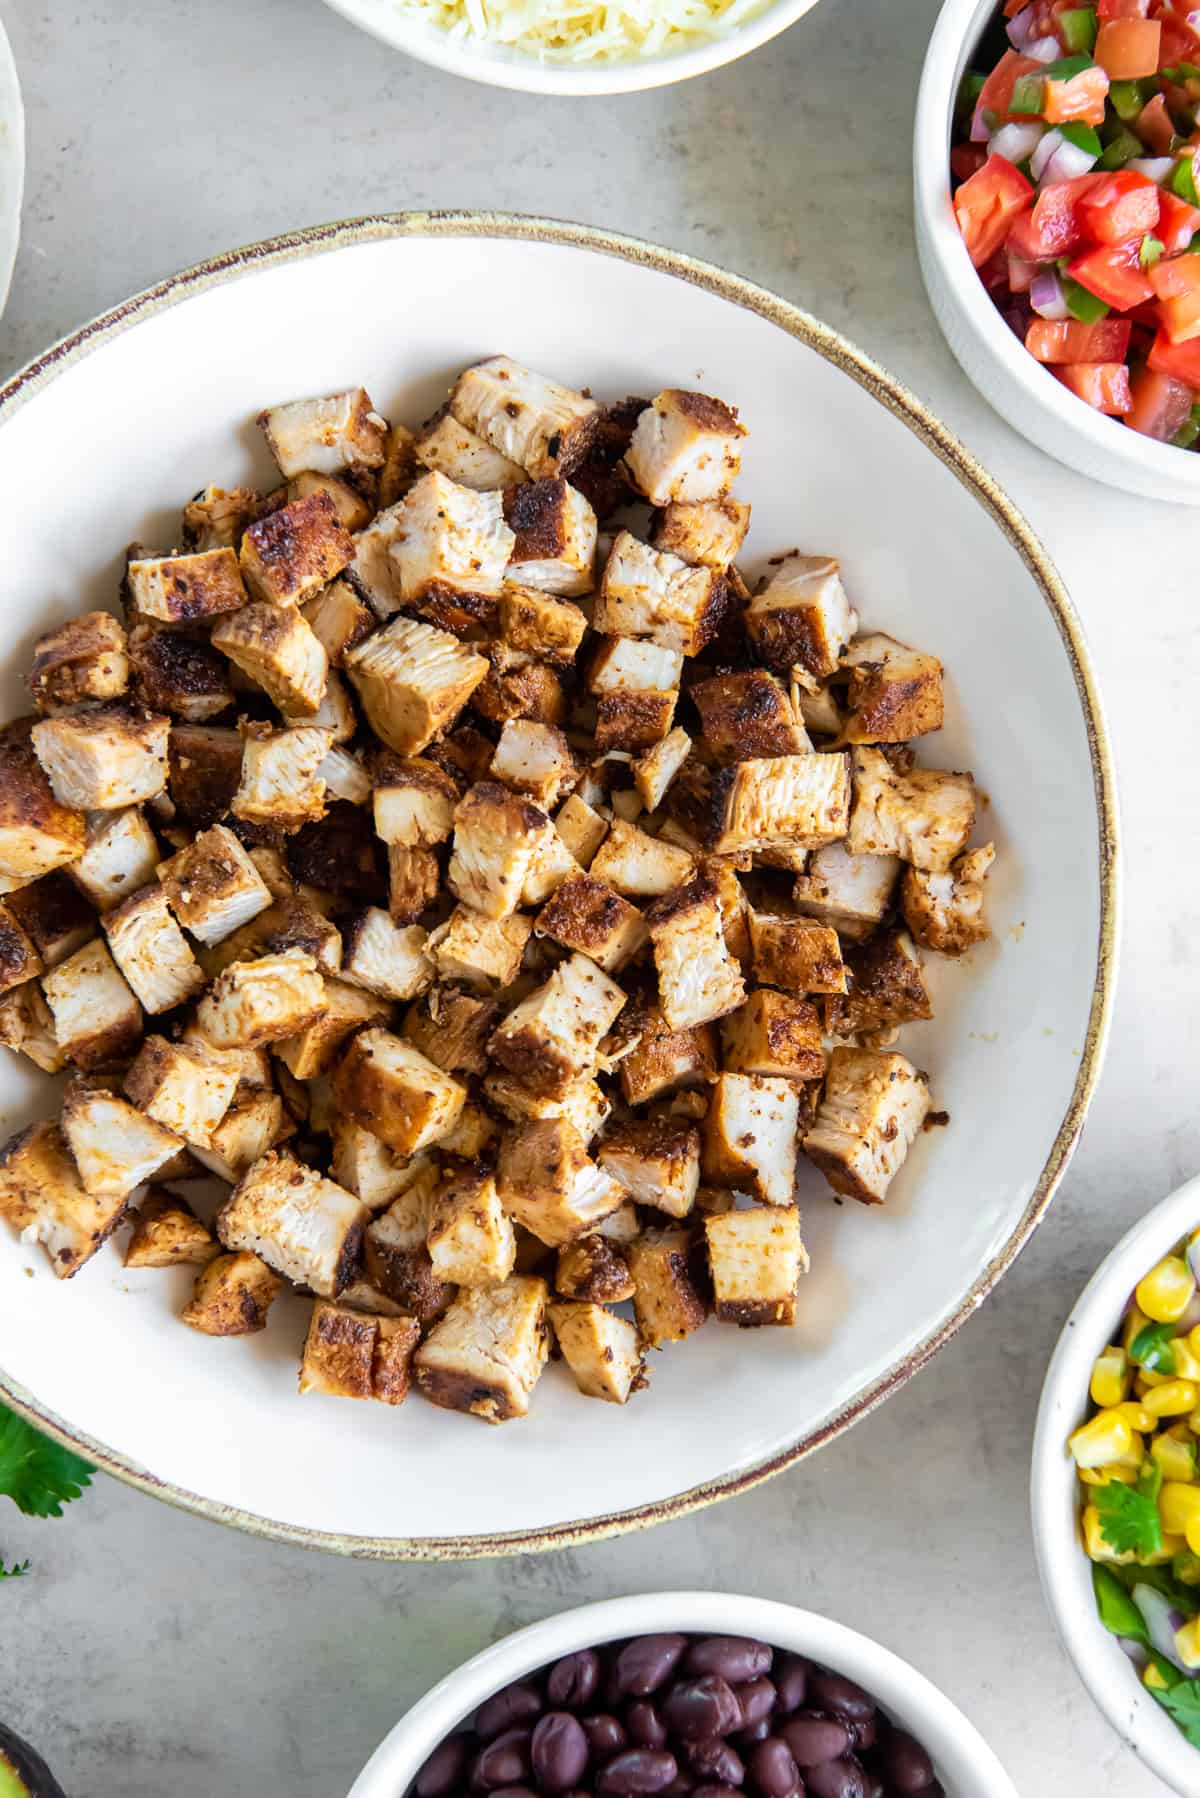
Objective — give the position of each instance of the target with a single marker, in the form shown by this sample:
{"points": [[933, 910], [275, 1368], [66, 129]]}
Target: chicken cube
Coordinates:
{"points": [[667, 1302], [279, 783], [496, 834], [655, 768], [924, 816], [114, 1147], [217, 516], [414, 882], [685, 446], [19, 957], [546, 428], [289, 555], [304, 1226], [550, 1184], [350, 1355], [122, 855], [517, 685], [452, 1028], [705, 533], [413, 800], [450, 449], [945, 911], [387, 958], [657, 1161], [232, 1297], [873, 1108], [639, 865], [479, 951], [345, 777], [582, 830], [552, 864], [582, 1103], [802, 615], [384, 1083], [250, 1066], [750, 1137], [292, 922], [41, 1196], [552, 1037], [167, 1233], [83, 659], [176, 670], [886, 987], [396, 1259], [324, 436], [628, 665], [205, 765], [367, 1167], [648, 593], [312, 1051], [255, 1123], [262, 1001], [471, 1241], [661, 1059], [451, 550], [280, 651], [756, 1259], [555, 532], [151, 951], [413, 681], [100, 758], [536, 760], [486, 1355], [894, 692], [181, 1087], [601, 1350], [851, 893], [372, 575], [213, 886], [796, 953], [748, 715], [634, 722], [788, 802], [698, 979], [540, 625], [338, 619], [353, 511], [37, 831], [181, 589], [97, 1019], [593, 1271], [776, 1035], [52, 915], [588, 915], [400, 467], [27, 1027]]}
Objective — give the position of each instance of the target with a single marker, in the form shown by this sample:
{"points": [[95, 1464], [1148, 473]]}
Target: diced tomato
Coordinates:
{"points": [[1020, 273], [1161, 405], [1080, 99], [1122, 9], [965, 159], [1155, 127], [1127, 49], [1177, 44], [1054, 227], [1179, 360], [1177, 284], [1104, 385], [1124, 204], [1113, 273], [1013, 7], [1071, 341], [987, 204], [996, 94]]}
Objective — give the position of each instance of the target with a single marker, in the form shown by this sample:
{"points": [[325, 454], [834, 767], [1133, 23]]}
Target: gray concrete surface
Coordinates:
{"points": [[151, 1653]]}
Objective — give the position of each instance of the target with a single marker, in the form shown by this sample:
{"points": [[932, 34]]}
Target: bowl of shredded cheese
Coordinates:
{"points": [[574, 46]]}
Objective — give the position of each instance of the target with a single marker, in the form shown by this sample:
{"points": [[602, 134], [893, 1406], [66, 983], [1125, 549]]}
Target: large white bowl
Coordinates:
{"points": [[1021, 390], [499, 66], [965, 1763], [1066, 1571], [12, 163], [103, 438]]}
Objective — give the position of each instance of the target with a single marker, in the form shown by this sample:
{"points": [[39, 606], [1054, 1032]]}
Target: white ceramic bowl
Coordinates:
{"points": [[1065, 1569], [839, 458], [965, 1763], [1021, 390], [502, 67], [12, 163]]}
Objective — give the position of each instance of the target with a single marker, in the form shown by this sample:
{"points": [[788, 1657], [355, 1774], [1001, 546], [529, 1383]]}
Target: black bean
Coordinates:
{"points": [[444, 1768], [836, 1779], [904, 1763], [637, 1771], [814, 1740], [719, 1792], [606, 1734], [875, 1787], [518, 1703], [791, 1675], [696, 1708], [756, 1732], [558, 1751], [512, 1792], [757, 1699], [503, 1762], [680, 1786], [644, 1724], [935, 1789], [830, 1692], [735, 1658], [866, 1734], [647, 1663], [773, 1768], [717, 1762], [573, 1680]]}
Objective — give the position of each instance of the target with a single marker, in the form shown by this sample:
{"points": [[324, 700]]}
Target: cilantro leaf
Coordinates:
{"points": [[38, 1475], [1152, 1348], [1182, 1702], [1118, 1613], [15, 1571], [1129, 1520]]}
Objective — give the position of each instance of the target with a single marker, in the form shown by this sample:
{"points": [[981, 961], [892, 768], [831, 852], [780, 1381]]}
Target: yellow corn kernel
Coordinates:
{"points": [[1110, 1378], [1106, 1438], [1153, 1679], [1167, 1290], [1094, 1543], [1148, 1379], [1104, 1476], [1186, 1568], [1177, 1505], [1135, 1415], [1171, 1546], [1173, 1399], [1187, 1360], [1135, 1321], [1176, 1459], [1187, 1644]]}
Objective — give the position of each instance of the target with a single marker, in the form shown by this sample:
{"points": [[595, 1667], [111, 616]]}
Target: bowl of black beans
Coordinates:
{"points": [[685, 1695]]}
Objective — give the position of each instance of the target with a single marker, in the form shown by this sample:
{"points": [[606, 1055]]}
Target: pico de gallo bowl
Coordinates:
{"points": [[1076, 196]]}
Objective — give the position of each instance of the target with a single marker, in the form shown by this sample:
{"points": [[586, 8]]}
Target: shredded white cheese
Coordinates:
{"points": [[585, 30]]}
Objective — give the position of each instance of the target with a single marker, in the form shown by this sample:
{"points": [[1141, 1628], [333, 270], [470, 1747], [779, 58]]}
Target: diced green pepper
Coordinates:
{"points": [[1082, 136], [1122, 147], [1180, 71], [1078, 28], [1067, 67], [1186, 1568], [1186, 435], [1028, 95], [1129, 97], [1081, 304], [1149, 251], [1153, 1347], [1183, 181]]}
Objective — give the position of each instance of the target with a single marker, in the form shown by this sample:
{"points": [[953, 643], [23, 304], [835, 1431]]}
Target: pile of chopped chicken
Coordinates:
{"points": [[497, 910]]}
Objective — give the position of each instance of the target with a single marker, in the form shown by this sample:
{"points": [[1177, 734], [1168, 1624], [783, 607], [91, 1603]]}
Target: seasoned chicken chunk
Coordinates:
{"points": [[37, 831], [305, 1227], [41, 1196], [345, 777], [452, 1028], [535, 759], [555, 532], [945, 911], [872, 1110], [52, 917], [385, 957], [661, 1059], [114, 1147], [100, 758], [802, 615], [496, 834], [747, 715], [27, 1027], [544, 427], [601, 1349], [294, 921], [450, 551], [213, 886], [353, 511], [924, 816], [384, 1083], [253, 1124], [232, 1297], [639, 865], [182, 1087], [698, 979], [582, 1103], [180, 589], [685, 446], [796, 953], [750, 1137], [539, 625], [593, 1271], [279, 782], [350, 1355], [589, 915], [167, 1233], [788, 802], [517, 685], [471, 1241], [289, 555], [262, 1001], [657, 1161], [97, 1019], [19, 957], [886, 987], [756, 1259], [313, 1050], [338, 618], [396, 1259], [413, 681], [649, 593], [550, 1184], [151, 950], [551, 1038], [176, 670], [774, 1034], [486, 1355], [82, 659], [450, 449], [413, 800], [367, 1167], [122, 855], [279, 650], [894, 692], [849, 892], [706, 533], [479, 951], [582, 830], [217, 516], [655, 768], [205, 763], [668, 1302], [341, 431]]}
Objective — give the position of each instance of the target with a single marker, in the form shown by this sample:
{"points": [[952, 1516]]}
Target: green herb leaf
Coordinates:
{"points": [[1182, 1703], [1149, 251], [1182, 181], [1154, 1348], [1118, 1613], [38, 1475], [1082, 136], [1067, 67], [1129, 1520], [15, 1571]]}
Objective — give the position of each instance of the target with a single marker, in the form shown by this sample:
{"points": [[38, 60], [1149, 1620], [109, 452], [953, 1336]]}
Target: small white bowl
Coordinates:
{"points": [[964, 1762], [1020, 389], [1065, 1570], [502, 67]]}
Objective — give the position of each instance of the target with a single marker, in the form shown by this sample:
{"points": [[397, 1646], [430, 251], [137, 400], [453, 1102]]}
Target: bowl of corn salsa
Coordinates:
{"points": [[1116, 1488]]}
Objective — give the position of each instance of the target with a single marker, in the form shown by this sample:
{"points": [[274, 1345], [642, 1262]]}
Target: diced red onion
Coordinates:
{"points": [[1016, 142], [1161, 1620], [1067, 164], [1192, 19], [1047, 145], [1191, 1314], [1021, 274], [979, 131], [1019, 28], [1044, 49], [1047, 298], [1157, 168]]}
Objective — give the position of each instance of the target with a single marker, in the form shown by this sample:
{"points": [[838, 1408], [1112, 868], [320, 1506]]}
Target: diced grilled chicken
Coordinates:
{"points": [[167, 1233], [872, 1110], [650, 593], [601, 1349], [384, 1083], [544, 427], [41, 1196], [279, 783], [582, 1103], [776, 1035], [414, 801], [552, 864], [289, 555], [151, 950], [413, 681], [372, 575], [255, 1122], [213, 886], [100, 758], [414, 880], [924, 816], [385, 957], [97, 1019], [486, 1355], [122, 855], [748, 715], [251, 1066], [181, 589], [638, 865], [552, 1037], [279, 650], [818, 706], [452, 1029], [668, 1302], [661, 1059], [348, 1354], [894, 692], [176, 670], [353, 511], [27, 1027], [335, 713], [850, 892], [698, 979], [114, 1147], [582, 830], [657, 1160], [802, 615], [232, 1297], [341, 431], [367, 1167], [555, 531], [345, 777], [593, 1271], [496, 834], [705, 533], [305, 1227], [450, 551], [449, 448], [685, 446], [182, 1087], [945, 911], [217, 516], [37, 831], [83, 659], [517, 685], [539, 625], [655, 768], [886, 987], [400, 467], [262, 1001], [756, 1259], [396, 1259], [294, 921], [590, 916], [750, 1137], [205, 765], [788, 802], [633, 721], [474, 1137], [628, 665], [45, 922], [360, 1295], [471, 1241], [796, 953], [536, 760], [550, 1184], [338, 618], [19, 957], [313, 1050], [478, 951]]}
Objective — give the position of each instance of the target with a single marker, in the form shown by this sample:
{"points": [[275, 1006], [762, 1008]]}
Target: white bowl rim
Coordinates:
{"points": [[956, 26], [22, 387], [1110, 1680], [898, 1686], [498, 67]]}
